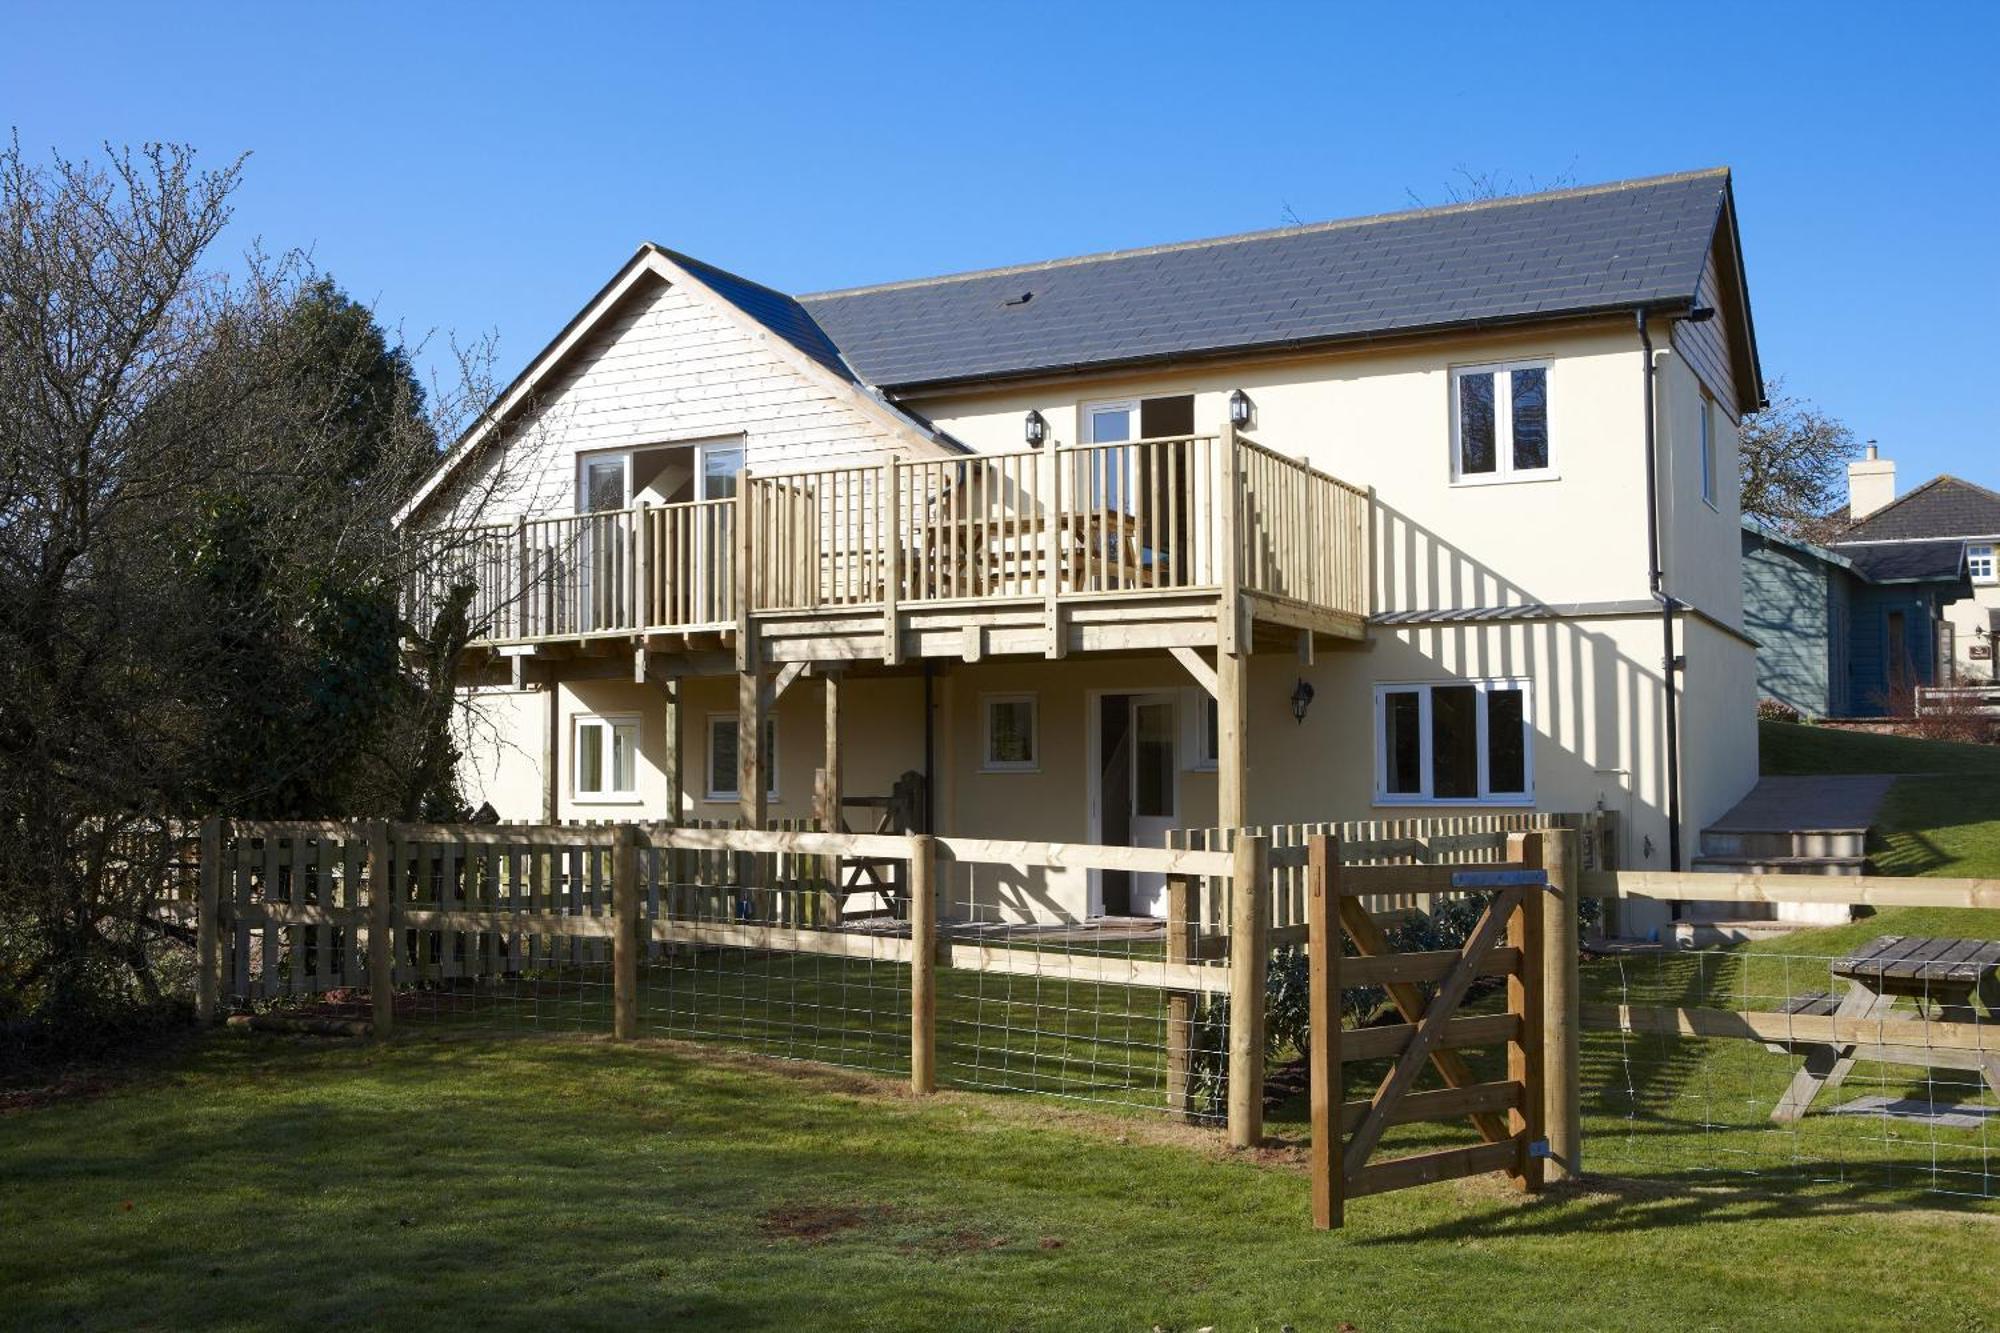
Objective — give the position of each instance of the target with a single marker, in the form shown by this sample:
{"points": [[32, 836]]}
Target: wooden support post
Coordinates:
{"points": [[670, 748], [1562, 1014], [625, 945], [745, 581], [641, 607], [1052, 548], [831, 790], [892, 563], [1323, 956], [923, 964], [1229, 575], [208, 925], [1180, 1004], [1526, 997], [1249, 953], [1232, 678], [381, 930], [551, 751]]}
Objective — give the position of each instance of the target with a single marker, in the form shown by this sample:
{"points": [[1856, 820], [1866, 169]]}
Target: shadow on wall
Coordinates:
{"points": [[1595, 704]]}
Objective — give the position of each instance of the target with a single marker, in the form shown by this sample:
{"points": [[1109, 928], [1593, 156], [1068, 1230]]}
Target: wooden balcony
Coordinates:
{"points": [[1198, 542]]}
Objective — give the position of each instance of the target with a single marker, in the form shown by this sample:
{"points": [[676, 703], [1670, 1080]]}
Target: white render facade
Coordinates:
{"points": [[1508, 652]]}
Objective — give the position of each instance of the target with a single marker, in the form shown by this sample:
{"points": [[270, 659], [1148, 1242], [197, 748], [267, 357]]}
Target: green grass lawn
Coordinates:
{"points": [[1792, 748], [564, 1182]]}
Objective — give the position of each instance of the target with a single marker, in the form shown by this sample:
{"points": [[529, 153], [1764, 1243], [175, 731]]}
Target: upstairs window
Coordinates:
{"points": [[607, 765], [1979, 563], [1707, 414], [1500, 422], [1455, 743]]}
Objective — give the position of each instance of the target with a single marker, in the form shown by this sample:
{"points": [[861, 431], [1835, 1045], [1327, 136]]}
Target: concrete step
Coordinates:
{"points": [[1762, 844], [1715, 934], [1781, 865]]}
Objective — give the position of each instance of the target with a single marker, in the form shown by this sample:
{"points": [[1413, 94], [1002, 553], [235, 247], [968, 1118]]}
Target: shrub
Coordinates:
{"points": [[1770, 710]]}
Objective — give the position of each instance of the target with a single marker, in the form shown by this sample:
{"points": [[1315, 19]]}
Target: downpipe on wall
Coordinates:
{"points": [[1670, 662]]}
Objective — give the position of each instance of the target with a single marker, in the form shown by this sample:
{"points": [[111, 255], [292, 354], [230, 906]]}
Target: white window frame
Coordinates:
{"points": [[1706, 440], [1987, 553], [1197, 707], [584, 462], [1503, 423], [705, 451], [609, 722], [1422, 689], [987, 763], [733, 792]]}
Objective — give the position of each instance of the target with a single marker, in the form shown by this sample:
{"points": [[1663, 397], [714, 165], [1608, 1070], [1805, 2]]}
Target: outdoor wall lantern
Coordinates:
{"points": [[1239, 408], [1038, 429], [1302, 697]]}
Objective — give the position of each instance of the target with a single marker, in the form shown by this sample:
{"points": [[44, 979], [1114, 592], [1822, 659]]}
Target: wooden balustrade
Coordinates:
{"points": [[1137, 517]]}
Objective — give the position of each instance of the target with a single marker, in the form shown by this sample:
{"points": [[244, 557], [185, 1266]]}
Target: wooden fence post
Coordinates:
{"points": [[208, 925], [923, 964], [1562, 1015], [1528, 997], [1249, 954], [625, 944], [1180, 1003], [1323, 953], [381, 931]]}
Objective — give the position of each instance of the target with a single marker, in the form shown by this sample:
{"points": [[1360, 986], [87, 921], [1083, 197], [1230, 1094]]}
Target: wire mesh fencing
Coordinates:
{"points": [[1875, 1065]]}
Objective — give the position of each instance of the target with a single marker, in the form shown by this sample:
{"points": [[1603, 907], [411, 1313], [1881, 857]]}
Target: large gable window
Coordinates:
{"points": [[1500, 422], [1454, 742]]}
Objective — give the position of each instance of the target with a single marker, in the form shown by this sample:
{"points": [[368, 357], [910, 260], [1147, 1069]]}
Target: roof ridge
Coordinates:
{"points": [[1912, 494], [1235, 238]]}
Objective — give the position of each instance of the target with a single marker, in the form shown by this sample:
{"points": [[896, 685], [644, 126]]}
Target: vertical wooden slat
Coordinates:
{"points": [[923, 964], [1323, 955], [1249, 953], [381, 931]]}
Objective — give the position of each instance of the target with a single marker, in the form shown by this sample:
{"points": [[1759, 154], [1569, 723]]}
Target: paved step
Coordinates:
{"points": [[1773, 844], [1782, 865], [1714, 934]]}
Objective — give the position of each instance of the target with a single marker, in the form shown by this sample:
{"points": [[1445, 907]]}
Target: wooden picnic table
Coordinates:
{"points": [[978, 555], [1942, 977]]}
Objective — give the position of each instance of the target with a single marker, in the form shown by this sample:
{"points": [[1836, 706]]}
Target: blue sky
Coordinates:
{"points": [[486, 168]]}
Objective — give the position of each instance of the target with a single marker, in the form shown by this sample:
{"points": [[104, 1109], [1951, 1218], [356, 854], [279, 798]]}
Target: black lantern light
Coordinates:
{"points": [[1037, 429], [1239, 408], [1302, 697]]}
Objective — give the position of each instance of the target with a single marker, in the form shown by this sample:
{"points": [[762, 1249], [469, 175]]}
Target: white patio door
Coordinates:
{"points": [[603, 488], [1155, 798], [716, 466]]}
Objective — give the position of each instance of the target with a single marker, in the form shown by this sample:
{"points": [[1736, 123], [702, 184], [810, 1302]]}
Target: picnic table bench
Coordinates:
{"points": [[1942, 976]]}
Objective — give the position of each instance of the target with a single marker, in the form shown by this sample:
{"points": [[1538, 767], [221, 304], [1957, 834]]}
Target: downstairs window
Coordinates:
{"points": [[1454, 742]]}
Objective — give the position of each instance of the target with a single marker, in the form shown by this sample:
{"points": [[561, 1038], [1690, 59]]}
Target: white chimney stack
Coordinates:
{"points": [[1871, 484]]}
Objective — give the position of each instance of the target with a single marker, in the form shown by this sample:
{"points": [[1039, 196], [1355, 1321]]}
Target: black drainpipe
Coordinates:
{"points": [[1657, 578]]}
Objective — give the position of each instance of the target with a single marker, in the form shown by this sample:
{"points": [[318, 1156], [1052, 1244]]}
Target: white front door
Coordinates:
{"points": [[1155, 798], [604, 486]]}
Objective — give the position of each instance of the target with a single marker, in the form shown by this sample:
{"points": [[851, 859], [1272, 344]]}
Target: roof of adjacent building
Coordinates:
{"points": [[1908, 562], [773, 309], [1944, 506], [1568, 252]]}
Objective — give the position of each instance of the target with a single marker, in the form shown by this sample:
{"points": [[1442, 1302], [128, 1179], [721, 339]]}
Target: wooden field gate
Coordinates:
{"points": [[1509, 943]]}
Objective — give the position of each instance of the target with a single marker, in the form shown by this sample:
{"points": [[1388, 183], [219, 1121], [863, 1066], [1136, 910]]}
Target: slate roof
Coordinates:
{"points": [[779, 313], [1600, 248], [1908, 562], [1942, 507]]}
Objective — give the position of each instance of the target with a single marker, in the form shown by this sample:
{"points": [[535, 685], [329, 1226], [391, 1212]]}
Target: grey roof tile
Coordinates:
{"points": [[1603, 247]]}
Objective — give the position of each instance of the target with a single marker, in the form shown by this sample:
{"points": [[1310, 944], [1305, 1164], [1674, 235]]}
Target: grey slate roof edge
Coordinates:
{"points": [[1759, 528], [1922, 493], [1270, 233]]}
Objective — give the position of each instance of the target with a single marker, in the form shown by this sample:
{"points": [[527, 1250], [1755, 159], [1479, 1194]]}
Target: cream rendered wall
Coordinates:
{"points": [[668, 367], [499, 735], [1970, 616], [1699, 533], [1381, 418]]}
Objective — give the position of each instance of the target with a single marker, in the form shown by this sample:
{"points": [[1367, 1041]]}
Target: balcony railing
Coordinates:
{"points": [[1166, 517]]}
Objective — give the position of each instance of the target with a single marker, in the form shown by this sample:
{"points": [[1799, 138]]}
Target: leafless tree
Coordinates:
{"points": [[1794, 464]]}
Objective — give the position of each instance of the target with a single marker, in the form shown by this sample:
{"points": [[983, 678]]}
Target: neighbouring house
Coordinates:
{"points": [[1427, 513], [1944, 534]]}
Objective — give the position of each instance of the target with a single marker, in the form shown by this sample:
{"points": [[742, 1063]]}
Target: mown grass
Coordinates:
{"points": [[565, 1182], [1792, 748]]}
